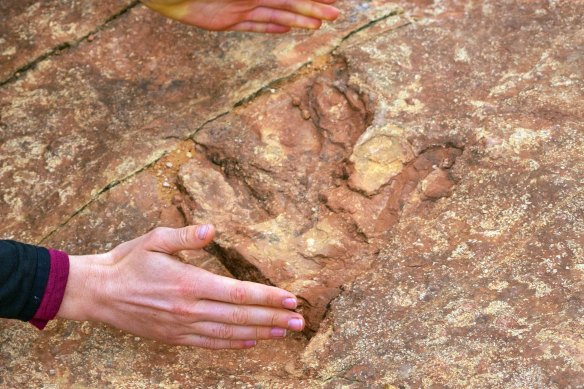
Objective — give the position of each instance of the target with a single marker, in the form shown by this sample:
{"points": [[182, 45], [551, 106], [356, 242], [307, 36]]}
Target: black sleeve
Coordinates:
{"points": [[24, 271]]}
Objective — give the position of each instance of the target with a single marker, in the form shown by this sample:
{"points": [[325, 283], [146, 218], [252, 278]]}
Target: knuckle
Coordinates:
{"points": [[258, 333], [209, 343], [223, 331], [238, 294], [183, 236], [165, 333], [187, 289], [177, 339], [197, 311], [273, 16], [240, 316], [181, 311], [271, 298], [274, 319]]}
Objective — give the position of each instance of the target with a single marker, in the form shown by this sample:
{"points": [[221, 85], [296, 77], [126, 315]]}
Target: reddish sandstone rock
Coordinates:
{"points": [[452, 146], [437, 184], [282, 191], [29, 29], [483, 287]]}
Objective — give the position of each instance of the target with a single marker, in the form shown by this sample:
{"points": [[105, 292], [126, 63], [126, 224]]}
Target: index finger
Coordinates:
{"points": [[214, 287]]}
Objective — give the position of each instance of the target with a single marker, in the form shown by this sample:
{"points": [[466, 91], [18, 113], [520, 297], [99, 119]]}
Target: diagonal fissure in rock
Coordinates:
{"points": [[241, 102], [371, 24], [18, 73], [302, 67], [96, 197], [278, 81], [116, 182]]}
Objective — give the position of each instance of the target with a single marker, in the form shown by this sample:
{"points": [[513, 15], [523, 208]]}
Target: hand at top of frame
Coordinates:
{"points": [[269, 16]]}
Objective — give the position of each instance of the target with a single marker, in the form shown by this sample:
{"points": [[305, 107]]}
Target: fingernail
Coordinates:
{"points": [[289, 303], [296, 324], [250, 343], [203, 231], [278, 332]]}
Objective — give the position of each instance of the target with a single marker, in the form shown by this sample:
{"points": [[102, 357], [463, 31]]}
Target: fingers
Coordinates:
{"points": [[214, 343], [214, 311], [172, 240], [218, 335], [202, 284], [309, 8], [283, 18], [269, 28], [235, 332]]}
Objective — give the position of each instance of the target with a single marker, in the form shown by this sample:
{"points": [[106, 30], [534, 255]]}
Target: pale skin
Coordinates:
{"points": [[267, 16], [140, 286]]}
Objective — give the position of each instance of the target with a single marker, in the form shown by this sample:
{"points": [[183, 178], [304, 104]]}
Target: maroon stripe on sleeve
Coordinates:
{"points": [[55, 290]]}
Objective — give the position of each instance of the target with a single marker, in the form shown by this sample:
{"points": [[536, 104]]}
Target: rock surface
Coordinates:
{"points": [[306, 201], [69, 127], [419, 186], [30, 31]]}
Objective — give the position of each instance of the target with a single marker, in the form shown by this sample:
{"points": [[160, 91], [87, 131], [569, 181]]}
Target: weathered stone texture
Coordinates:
{"points": [[277, 179], [483, 288], [103, 110], [30, 29], [420, 190]]}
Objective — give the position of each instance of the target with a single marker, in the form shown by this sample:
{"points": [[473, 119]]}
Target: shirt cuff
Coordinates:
{"points": [[54, 291]]}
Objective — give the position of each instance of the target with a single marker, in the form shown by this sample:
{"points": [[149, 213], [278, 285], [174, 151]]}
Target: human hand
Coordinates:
{"points": [[141, 288], [271, 16]]}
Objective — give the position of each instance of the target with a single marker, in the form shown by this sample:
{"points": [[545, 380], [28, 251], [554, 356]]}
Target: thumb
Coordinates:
{"points": [[172, 240]]}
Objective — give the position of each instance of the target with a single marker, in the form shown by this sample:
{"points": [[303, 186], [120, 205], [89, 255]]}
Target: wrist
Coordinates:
{"points": [[83, 298], [174, 9]]}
